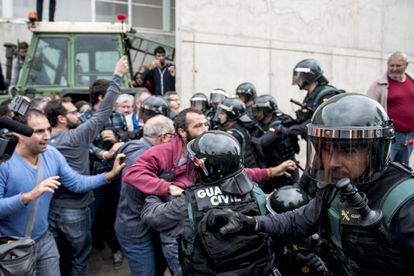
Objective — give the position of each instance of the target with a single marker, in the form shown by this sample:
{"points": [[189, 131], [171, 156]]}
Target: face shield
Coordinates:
{"points": [[298, 76], [217, 97], [330, 159], [221, 112], [199, 104]]}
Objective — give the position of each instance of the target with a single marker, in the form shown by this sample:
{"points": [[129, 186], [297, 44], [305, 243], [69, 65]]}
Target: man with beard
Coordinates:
{"points": [[395, 92], [69, 215], [364, 205], [163, 169]]}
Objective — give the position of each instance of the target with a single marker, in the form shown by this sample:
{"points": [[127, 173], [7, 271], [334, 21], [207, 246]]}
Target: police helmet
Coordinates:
{"points": [[266, 103], [308, 71], [155, 105], [247, 90], [217, 96], [349, 136], [199, 101], [215, 155], [286, 198], [234, 109]]}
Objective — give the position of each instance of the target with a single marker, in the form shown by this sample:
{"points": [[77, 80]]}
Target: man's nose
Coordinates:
{"points": [[334, 159]]}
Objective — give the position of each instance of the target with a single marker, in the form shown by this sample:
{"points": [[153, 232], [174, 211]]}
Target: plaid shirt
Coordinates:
{"points": [[117, 124]]}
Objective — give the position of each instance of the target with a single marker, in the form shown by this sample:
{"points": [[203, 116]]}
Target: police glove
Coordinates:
{"points": [[235, 222], [315, 263]]}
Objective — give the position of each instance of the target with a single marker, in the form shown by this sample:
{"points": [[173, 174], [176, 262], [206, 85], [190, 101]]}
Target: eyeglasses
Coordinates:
{"points": [[75, 112], [168, 135]]}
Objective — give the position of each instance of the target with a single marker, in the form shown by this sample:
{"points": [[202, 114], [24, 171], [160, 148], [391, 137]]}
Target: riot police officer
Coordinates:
{"points": [[246, 92], [222, 183], [230, 116], [274, 146], [364, 206], [199, 101], [308, 75], [217, 96]]}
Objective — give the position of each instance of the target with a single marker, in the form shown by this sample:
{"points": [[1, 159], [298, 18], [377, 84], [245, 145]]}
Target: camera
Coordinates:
{"points": [[8, 143]]}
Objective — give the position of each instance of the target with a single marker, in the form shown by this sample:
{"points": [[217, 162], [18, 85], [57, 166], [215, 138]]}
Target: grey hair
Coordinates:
{"points": [[140, 93], [158, 125], [399, 55], [125, 98]]}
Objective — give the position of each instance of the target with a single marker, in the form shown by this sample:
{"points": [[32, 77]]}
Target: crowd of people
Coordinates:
{"points": [[215, 189]]}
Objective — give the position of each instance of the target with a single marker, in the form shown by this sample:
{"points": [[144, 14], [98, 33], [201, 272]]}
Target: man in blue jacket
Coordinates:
{"points": [[19, 190]]}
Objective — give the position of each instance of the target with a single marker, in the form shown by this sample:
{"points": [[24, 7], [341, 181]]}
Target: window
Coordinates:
{"points": [[49, 63], [95, 58]]}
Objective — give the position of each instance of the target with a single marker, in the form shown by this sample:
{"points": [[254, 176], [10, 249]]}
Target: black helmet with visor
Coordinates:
{"points": [[349, 136]]}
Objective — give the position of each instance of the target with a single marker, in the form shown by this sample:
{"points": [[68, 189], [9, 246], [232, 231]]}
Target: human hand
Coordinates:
{"points": [[116, 168], [282, 169], [121, 67], [48, 185], [171, 69], [114, 149], [234, 221], [175, 190]]}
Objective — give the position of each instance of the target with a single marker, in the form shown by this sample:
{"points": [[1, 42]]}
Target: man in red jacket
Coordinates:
{"points": [[163, 170]]}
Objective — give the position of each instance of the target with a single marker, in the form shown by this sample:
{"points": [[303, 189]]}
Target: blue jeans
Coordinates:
{"points": [[141, 257], [47, 260], [73, 227], [401, 149], [170, 250]]}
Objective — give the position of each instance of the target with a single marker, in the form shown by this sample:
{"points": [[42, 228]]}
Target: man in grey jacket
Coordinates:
{"points": [[134, 236], [69, 216]]}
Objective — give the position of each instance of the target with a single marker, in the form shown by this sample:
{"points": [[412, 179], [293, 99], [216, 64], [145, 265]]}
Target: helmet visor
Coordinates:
{"points": [[199, 105], [330, 159], [217, 97], [221, 109]]}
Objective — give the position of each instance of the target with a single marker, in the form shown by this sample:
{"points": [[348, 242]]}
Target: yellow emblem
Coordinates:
{"points": [[345, 215]]}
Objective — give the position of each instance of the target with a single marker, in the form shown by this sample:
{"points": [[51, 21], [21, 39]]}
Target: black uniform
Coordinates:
{"points": [[364, 251], [311, 102], [243, 137], [222, 185], [369, 230]]}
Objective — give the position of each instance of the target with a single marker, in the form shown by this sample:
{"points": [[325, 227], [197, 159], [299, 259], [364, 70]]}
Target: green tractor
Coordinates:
{"points": [[65, 57]]}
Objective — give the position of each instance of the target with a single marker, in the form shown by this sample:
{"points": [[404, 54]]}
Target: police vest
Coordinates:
{"points": [[207, 252], [250, 159], [366, 251], [284, 149], [314, 99]]}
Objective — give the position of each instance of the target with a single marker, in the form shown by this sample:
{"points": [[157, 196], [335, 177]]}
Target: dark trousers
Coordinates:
{"points": [[71, 229], [52, 8], [103, 211]]}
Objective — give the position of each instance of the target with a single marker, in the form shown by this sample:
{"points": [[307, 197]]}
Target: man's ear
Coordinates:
{"points": [[61, 119], [100, 98], [19, 137], [182, 133]]}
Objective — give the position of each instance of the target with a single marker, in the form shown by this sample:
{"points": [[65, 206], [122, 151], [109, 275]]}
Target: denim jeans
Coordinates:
{"points": [[141, 257], [72, 226], [402, 148], [170, 250], [47, 262]]}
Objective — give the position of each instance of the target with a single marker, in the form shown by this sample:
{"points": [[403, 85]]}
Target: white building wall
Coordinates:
{"points": [[221, 43]]}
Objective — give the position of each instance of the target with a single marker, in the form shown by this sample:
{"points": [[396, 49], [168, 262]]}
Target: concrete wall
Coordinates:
{"points": [[221, 43]]}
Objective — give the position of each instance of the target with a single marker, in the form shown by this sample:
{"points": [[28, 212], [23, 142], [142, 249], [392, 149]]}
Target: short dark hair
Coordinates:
{"points": [[54, 108], [23, 45], [80, 104], [30, 113], [96, 89], [159, 50], [180, 121]]}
